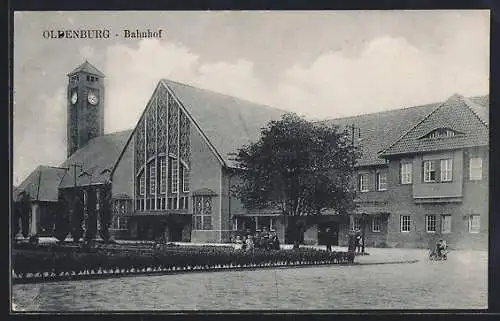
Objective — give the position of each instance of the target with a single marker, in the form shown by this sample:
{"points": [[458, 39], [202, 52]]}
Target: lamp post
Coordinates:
{"points": [[363, 231], [353, 129], [104, 214]]}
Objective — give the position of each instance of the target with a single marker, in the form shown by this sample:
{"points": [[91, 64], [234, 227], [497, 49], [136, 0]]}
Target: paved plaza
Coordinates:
{"points": [[458, 283]]}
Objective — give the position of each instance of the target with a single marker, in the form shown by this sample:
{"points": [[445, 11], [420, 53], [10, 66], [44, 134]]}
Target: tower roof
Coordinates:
{"points": [[88, 68]]}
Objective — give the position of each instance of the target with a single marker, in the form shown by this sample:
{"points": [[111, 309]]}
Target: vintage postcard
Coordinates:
{"points": [[250, 160]]}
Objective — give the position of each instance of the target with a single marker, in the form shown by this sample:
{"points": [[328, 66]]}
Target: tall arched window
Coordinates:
{"points": [[175, 177], [152, 176], [185, 179], [141, 191], [163, 175]]}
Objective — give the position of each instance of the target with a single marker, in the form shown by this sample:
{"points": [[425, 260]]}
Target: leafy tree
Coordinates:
{"points": [[15, 215], [77, 215], [62, 220], [24, 211], [105, 212], [91, 218], [298, 167]]}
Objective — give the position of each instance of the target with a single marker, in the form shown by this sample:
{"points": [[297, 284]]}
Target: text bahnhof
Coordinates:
{"points": [[100, 34]]}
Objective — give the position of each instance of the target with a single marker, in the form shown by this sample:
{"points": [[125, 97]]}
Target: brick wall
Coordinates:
{"points": [[474, 200]]}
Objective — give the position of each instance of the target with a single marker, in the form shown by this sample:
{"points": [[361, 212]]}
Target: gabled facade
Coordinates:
{"points": [[180, 156], [438, 173], [404, 199]]}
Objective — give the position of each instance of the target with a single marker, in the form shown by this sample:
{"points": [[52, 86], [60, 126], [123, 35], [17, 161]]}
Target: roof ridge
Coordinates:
{"points": [[225, 95], [51, 166], [114, 133], [414, 126], [400, 109], [380, 112], [470, 105], [87, 67]]}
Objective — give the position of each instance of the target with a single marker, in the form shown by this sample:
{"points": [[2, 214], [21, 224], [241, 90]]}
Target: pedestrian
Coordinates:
{"points": [[358, 241], [275, 241], [238, 242], [249, 243], [439, 248], [351, 242], [328, 240]]}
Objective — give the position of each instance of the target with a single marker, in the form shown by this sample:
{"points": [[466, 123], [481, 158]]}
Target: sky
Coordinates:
{"points": [[319, 64]]}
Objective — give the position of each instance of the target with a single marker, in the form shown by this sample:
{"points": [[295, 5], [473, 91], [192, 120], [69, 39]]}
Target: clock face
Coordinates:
{"points": [[92, 98], [74, 98]]}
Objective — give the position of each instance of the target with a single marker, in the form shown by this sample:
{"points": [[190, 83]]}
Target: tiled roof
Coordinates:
{"points": [[42, 183], [228, 122], [97, 158], [479, 110], [379, 130], [481, 100], [456, 113], [88, 68]]}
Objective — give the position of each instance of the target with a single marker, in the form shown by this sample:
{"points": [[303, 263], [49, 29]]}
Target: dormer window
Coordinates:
{"points": [[440, 133]]}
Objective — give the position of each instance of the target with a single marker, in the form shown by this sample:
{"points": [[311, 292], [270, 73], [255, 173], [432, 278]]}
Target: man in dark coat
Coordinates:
{"points": [[328, 239], [351, 242]]}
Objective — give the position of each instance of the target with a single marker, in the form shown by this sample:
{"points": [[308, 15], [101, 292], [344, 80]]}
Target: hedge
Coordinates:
{"points": [[45, 263]]}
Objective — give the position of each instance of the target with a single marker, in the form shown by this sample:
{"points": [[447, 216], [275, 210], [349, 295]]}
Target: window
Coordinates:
{"points": [[475, 168], [474, 223], [122, 223], [97, 199], [152, 177], [429, 171], [175, 177], [406, 173], [272, 224], [185, 180], [445, 223], [88, 78], [446, 170], [441, 132], [381, 181], [202, 218], [355, 224], [376, 224], [405, 223], [163, 175], [363, 182], [142, 184], [430, 223]]}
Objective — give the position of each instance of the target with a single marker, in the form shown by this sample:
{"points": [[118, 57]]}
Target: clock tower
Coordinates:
{"points": [[85, 98]]}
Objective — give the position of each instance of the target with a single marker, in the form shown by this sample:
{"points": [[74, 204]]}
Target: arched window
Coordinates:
{"points": [[163, 175], [175, 177], [142, 183], [185, 179]]}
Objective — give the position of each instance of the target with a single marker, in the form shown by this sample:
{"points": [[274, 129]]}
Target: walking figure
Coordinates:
{"points": [[328, 240], [358, 241]]}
